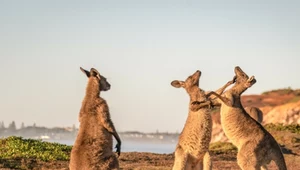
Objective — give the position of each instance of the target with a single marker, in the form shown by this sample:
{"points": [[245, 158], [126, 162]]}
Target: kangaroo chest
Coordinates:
{"points": [[196, 134]]}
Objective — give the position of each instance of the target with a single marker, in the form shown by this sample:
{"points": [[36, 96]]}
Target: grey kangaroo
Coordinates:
{"points": [[192, 148], [256, 146], [93, 146]]}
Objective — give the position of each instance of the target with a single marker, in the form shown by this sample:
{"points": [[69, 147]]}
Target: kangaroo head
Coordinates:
{"points": [[190, 82], [191, 85], [95, 76], [243, 82]]}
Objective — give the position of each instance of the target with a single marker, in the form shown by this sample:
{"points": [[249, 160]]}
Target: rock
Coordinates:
{"points": [[286, 114]]}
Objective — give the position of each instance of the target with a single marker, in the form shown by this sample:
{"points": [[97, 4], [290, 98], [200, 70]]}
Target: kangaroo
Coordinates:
{"points": [[256, 146], [93, 146], [255, 113], [192, 148]]}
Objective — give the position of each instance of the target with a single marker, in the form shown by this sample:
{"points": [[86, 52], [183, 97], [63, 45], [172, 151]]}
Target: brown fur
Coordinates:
{"points": [[256, 146], [255, 113], [192, 148], [93, 146]]}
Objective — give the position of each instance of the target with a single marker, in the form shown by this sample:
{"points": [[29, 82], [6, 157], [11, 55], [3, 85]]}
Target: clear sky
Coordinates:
{"points": [[140, 46]]}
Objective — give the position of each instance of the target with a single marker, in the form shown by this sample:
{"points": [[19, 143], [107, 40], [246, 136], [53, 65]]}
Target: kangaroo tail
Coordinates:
{"points": [[279, 160], [207, 165]]}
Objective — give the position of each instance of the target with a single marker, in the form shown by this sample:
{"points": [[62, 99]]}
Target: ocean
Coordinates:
{"points": [[135, 146]]}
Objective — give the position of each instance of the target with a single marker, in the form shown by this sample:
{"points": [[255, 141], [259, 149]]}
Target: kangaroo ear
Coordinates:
{"points": [[178, 84], [95, 73], [239, 72], [85, 72]]}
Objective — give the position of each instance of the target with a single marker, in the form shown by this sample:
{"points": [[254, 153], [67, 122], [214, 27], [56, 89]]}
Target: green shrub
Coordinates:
{"points": [[280, 91], [222, 147], [294, 128], [295, 99], [16, 147]]}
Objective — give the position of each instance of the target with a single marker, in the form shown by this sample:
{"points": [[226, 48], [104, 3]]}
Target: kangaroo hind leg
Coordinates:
{"points": [[246, 158], [207, 164], [181, 159]]}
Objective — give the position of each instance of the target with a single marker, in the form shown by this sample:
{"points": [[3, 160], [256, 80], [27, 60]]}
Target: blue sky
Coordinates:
{"points": [[140, 46]]}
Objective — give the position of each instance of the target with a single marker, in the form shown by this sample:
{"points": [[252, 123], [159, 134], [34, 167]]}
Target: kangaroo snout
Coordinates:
{"points": [[107, 87]]}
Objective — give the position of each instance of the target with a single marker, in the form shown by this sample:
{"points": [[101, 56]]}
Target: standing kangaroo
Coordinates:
{"points": [[256, 146], [192, 148], [93, 146]]}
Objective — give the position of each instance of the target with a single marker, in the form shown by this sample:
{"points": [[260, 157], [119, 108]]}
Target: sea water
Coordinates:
{"points": [[135, 146]]}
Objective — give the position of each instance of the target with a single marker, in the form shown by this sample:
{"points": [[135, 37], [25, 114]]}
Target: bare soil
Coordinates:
{"points": [[150, 161]]}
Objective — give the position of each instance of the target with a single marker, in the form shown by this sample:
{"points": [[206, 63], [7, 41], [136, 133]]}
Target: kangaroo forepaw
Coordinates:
{"points": [[118, 147], [233, 80], [195, 103], [211, 105]]}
